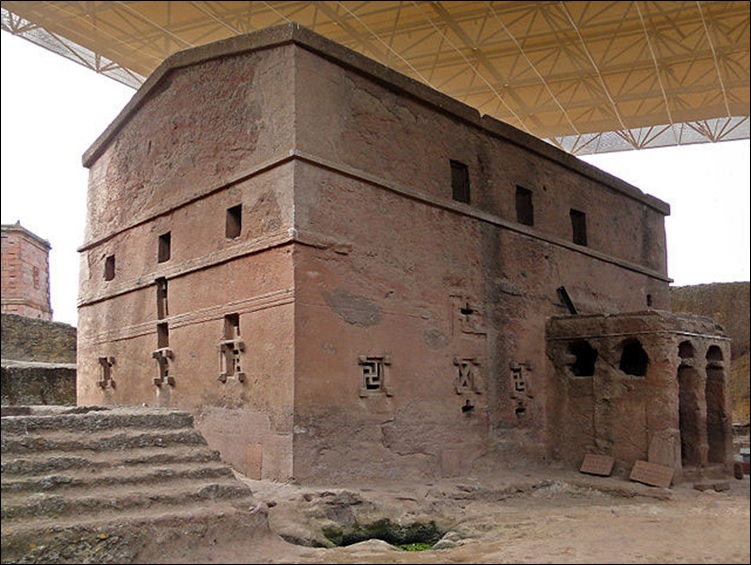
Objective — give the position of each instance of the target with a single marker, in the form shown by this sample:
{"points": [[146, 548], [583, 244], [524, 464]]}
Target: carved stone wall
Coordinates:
{"points": [[650, 386], [728, 305], [325, 262]]}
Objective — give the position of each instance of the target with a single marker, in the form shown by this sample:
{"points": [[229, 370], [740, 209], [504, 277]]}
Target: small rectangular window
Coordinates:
{"points": [[525, 211], [231, 326], [109, 268], [165, 247], [234, 221], [579, 227], [162, 336], [459, 182]]}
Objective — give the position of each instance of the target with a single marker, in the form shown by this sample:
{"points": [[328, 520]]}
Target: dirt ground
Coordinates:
{"points": [[529, 515]]}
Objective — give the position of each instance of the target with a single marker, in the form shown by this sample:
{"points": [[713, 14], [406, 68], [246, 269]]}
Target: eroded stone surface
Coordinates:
{"points": [[355, 283]]}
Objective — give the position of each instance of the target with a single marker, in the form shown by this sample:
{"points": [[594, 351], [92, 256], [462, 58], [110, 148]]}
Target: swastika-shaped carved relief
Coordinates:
{"points": [[105, 367], [374, 374], [467, 378]]}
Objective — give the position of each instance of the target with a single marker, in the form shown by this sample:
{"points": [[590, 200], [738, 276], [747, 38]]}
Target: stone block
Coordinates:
{"points": [[597, 465], [718, 486], [652, 474], [738, 470]]}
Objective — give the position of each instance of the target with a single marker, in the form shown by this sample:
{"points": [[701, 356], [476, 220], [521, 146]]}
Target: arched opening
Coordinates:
{"points": [[714, 353], [685, 350], [716, 414], [585, 357], [690, 415], [634, 359]]}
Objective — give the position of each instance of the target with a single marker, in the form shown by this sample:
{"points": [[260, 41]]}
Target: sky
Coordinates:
{"points": [[53, 109]]}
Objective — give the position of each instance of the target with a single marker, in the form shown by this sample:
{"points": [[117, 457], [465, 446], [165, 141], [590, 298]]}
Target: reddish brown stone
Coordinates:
{"points": [[645, 386], [738, 470], [332, 302], [652, 474], [597, 465], [718, 486], [25, 273]]}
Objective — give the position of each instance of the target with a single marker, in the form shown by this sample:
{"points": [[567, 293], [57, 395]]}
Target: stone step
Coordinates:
{"points": [[119, 498], [135, 533], [87, 478], [46, 462], [95, 420], [18, 445], [78, 480]]}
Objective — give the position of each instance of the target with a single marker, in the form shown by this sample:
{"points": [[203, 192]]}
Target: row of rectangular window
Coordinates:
{"points": [[233, 229], [460, 193], [525, 212]]}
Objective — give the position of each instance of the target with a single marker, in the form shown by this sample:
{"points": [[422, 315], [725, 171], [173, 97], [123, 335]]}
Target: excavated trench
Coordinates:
{"points": [[412, 537]]}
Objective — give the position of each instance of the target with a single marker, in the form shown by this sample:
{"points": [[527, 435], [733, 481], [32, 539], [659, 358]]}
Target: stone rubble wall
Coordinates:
{"points": [[38, 362], [30, 339]]}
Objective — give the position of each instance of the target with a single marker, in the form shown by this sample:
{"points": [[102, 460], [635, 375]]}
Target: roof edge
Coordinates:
{"points": [[17, 227], [324, 47], [262, 39]]}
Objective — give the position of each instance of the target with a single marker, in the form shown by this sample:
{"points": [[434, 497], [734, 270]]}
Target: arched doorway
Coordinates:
{"points": [[689, 399], [716, 410]]}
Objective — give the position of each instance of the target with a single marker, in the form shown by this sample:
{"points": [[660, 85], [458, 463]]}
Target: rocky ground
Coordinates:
{"points": [[143, 487], [530, 515]]}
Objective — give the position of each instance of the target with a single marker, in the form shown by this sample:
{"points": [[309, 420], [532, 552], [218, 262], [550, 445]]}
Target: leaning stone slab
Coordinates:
{"points": [[652, 474], [597, 465]]}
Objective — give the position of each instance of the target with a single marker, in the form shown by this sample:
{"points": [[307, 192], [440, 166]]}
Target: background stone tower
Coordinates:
{"points": [[25, 273]]}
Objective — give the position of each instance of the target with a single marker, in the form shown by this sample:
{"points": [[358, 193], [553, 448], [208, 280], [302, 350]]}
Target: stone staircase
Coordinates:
{"points": [[116, 485]]}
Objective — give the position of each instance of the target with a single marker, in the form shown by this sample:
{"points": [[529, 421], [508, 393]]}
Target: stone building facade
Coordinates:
{"points": [[25, 273], [341, 271], [642, 386]]}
